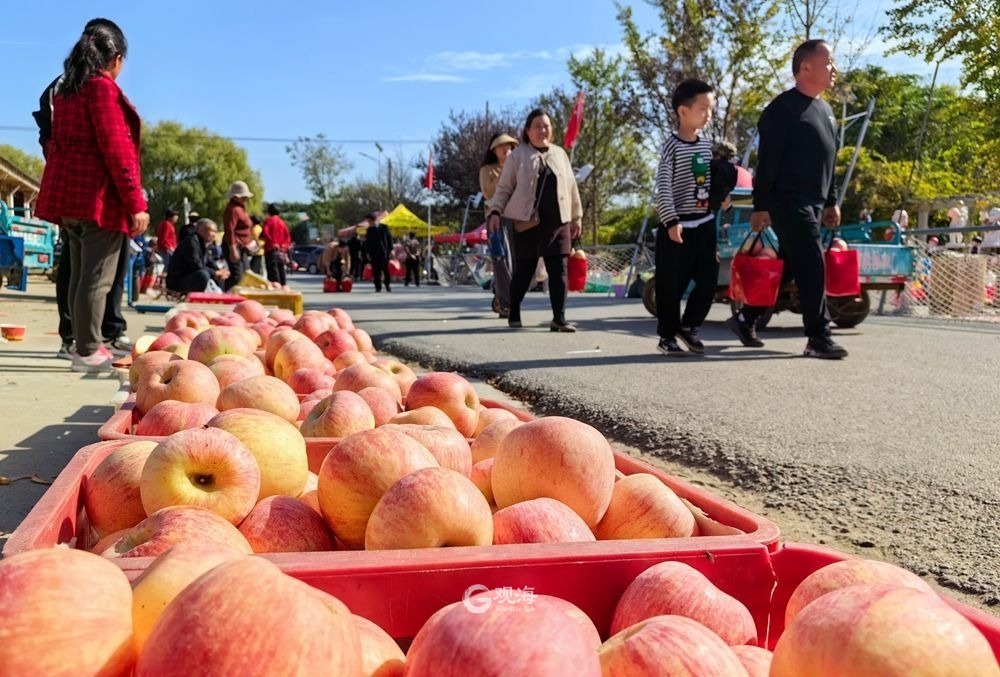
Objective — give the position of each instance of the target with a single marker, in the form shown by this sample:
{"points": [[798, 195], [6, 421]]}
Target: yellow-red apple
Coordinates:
{"points": [[111, 493], [341, 414], [644, 507], [170, 526], [182, 380], [170, 416], [266, 393], [286, 524], [668, 645], [482, 476], [364, 375], [486, 444], [755, 660], [447, 444], [489, 416], [404, 375], [382, 404], [380, 654], [540, 520], [449, 392]]}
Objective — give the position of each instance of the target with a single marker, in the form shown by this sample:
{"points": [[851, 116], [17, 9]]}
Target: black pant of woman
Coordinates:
{"points": [[275, 261], [524, 275]]}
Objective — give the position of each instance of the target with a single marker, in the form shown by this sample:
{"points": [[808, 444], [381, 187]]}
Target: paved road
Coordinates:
{"points": [[892, 452]]}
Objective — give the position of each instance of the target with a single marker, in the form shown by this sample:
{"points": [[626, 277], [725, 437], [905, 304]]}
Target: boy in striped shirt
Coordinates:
{"points": [[686, 240]]}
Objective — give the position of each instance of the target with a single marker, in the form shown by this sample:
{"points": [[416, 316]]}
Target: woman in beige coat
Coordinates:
{"points": [[538, 192], [501, 145]]}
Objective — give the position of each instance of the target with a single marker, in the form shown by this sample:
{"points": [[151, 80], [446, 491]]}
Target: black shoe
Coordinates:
{"points": [[387, 288], [745, 332], [504, 314], [690, 339], [670, 348], [514, 324], [824, 348], [561, 326]]}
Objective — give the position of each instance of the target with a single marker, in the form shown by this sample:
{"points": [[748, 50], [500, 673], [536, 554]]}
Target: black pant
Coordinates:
{"points": [[113, 324], [380, 271], [257, 264], [196, 281], [413, 267], [677, 265], [357, 265], [524, 275], [275, 267], [801, 247], [236, 269]]}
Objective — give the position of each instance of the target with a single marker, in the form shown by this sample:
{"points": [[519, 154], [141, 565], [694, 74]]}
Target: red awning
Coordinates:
{"points": [[471, 237]]}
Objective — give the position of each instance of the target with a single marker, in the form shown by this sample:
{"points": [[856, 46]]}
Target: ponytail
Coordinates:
{"points": [[94, 52]]}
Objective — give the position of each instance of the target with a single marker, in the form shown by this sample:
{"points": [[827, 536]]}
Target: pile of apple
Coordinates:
{"points": [[213, 610]]}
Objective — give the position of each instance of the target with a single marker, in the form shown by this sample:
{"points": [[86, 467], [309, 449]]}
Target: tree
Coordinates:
{"points": [[323, 165], [607, 140], [32, 165], [192, 162]]}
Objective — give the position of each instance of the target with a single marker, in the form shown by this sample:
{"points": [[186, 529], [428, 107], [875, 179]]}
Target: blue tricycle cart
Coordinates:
{"points": [[26, 245]]}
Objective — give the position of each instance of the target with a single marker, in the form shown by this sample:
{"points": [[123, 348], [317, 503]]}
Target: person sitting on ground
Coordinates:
{"points": [[192, 265]]}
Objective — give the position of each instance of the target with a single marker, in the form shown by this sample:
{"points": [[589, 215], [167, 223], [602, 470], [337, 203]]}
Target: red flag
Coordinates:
{"points": [[429, 179], [575, 120]]}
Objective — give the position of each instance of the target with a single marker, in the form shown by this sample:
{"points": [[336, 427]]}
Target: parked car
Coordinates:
{"points": [[306, 257]]}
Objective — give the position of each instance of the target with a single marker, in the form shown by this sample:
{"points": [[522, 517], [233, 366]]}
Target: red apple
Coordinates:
{"points": [[305, 381], [266, 393], [341, 414], [141, 345], [447, 444], [276, 341], [348, 358], [668, 645], [359, 376], [430, 508], [540, 520], [380, 655], [560, 458], [164, 341], [382, 404], [229, 369], [264, 329], [228, 319], [363, 340], [482, 477], [489, 416], [333, 342], [168, 527], [145, 361], [285, 524], [404, 375], [678, 589], [64, 612], [250, 310], [486, 444], [342, 317], [280, 315], [449, 392], [187, 334], [187, 318], [181, 380], [170, 416], [297, 355], [111, 493], [644, 507], [755, 660], [358, 471], [312, 325], [205, 467], [423, 416], [221, 340], [247, 617]]}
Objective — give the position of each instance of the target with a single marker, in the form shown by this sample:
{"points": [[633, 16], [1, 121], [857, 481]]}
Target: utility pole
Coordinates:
{"points": [[391, 201]]}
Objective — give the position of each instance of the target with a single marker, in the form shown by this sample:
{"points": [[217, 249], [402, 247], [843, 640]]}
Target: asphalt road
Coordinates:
{"points": [[891, 452]]}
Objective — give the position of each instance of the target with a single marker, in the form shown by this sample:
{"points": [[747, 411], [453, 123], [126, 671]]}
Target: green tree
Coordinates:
{"points": [[322, 164], [32, 165], [192, 162]]}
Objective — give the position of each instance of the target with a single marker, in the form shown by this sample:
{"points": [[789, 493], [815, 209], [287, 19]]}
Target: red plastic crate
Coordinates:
{"points": [[222, 299]]}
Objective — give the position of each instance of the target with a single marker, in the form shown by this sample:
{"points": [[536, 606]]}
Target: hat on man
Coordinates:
{"points": [[239, 189], [502, 140], [193, 215]]}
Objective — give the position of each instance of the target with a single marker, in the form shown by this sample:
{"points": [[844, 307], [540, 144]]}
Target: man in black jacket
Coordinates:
{"points": [[192, 266], [378, 242]]}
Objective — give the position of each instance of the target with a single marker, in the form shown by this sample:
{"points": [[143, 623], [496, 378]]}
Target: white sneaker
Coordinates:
{"points": [[66, 350], [120, 347], [98, 361]]}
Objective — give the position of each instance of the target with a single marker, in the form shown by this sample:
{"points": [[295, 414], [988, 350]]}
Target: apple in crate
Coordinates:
{"points": [[111, 493], [305, 381], [144, 362], [334, 342], [165, 341], [216, 341], [187, 318], [285, 524], [668, 645], [358, 471], [276, 444], [276, 341], [246, 617], [313, 324], [250, 310], [348, 358], [483, 636], [363, 340], [540, 520], [847, 573], [298, 355], [423, 416], [381, 403], [449, 392], [447, 444], [430, 508], [482, 476], [755, 660], [342, 317], [229, 369], [181, 380], [228, 319], [167, 576], [644, 507], [170, 416], [64, 612], [341, 414], [885, 630], [486, 444], [363, 375], [380, 655], [168, 527], [266, 393], [673, 588], [205, 467], [559, 458], [404, 375], [490, 416]]}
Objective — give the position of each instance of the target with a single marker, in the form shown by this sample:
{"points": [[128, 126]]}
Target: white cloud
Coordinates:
{"points": [[425, 77], [532, 85], [484, 61]]}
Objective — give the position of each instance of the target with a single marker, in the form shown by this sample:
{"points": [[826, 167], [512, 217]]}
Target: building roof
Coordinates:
{"points": [[11, 173]]}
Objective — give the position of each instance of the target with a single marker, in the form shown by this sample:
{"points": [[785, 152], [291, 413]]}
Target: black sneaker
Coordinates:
{"points": [[824, 348], [670, 348], [745, 332], [561, 326], [690, 339]]}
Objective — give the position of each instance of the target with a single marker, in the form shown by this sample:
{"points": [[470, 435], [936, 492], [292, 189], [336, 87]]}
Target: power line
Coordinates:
{"points": [[265, 139]]}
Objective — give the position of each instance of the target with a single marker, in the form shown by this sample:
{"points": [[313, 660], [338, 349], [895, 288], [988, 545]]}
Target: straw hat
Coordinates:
{"points": [[502, 140], [239, 189]]}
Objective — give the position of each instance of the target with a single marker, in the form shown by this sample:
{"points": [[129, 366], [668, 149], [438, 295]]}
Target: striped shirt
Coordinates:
{"points": [[683, 180]]}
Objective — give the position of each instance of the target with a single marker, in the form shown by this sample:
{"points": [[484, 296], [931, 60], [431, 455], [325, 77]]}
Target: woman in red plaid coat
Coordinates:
{"points": [[92, 184]]}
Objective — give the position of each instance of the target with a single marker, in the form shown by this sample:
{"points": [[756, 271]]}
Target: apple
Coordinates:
{"points": [[678, 589], [141, 345], [333, 342], [181, 380], [381, 403], [342, 317], [186, 334], [314, 324], [881, 630], [280, 315], [285, 524], [644, 507], [246, 617], [276, 341], [306, 406], [363, 340], [166, 528], [179, 349], [364, 375], [311, 498], [348, 358], [341, 414], [540, 520], [64, 612], [228, 319], [164, 341], [755, 660], [111, 493], [264, 329], [166, 576], [229, 369], [144, 362], [276, 444], [668, 645], [846, 573], [305, 381], [489, 416], [430, 508], [297, 355], [447, 444], [205, 467], [266, 393], [482, 476], [404, 375], [221, 340], [431, 416], [449, 392], [380, 655], [560, 458], [483, 637], [250, 310], [170, 416], [486, 444], [358, 471], [187, 318]]}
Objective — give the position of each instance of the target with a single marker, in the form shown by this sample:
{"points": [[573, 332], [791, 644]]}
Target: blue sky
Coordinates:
{"points": [[376, 70]]}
